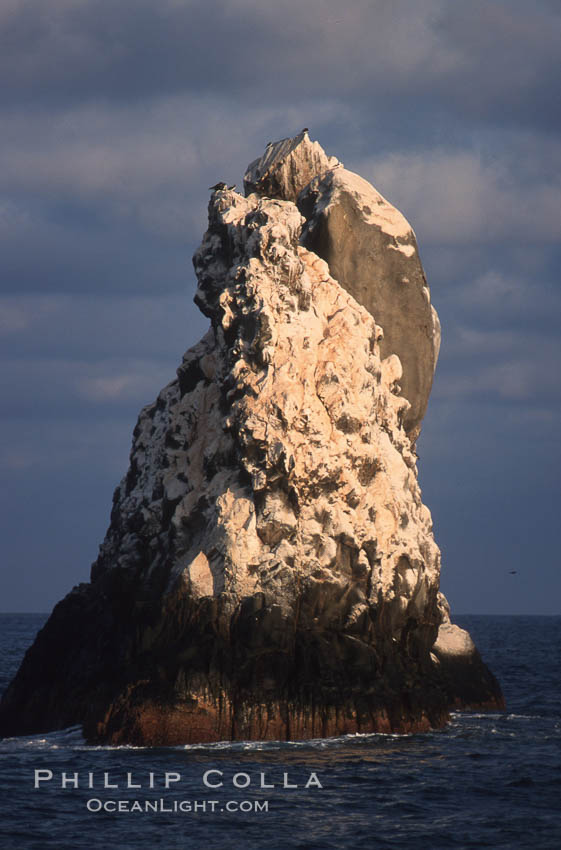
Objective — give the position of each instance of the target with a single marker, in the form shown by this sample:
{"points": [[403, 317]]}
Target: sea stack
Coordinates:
{"points": [[270, 571]]}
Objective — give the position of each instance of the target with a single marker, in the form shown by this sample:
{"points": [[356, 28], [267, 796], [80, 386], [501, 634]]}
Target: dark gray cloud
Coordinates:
{"points": [[116, 117], [49, 326], [507, 57], [136, 49], [487, 61], [44, 254]]}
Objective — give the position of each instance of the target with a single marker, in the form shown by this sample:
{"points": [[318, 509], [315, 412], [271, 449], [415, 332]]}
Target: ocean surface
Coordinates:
{"points": [[487, 780]]}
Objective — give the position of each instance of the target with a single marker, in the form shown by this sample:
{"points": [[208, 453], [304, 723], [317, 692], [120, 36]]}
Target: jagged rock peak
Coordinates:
{"points": [[286, 167]]}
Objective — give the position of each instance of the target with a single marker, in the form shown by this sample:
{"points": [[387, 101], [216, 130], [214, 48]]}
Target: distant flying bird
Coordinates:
{"points": [[218, 186], [513, 572]]}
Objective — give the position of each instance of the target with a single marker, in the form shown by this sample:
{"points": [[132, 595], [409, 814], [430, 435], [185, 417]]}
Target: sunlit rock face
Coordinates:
{"points": [[270, 569], [371, 251]]}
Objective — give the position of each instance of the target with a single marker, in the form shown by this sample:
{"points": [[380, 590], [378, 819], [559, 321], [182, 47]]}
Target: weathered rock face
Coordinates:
{"points": [[270, 569], [371, 251]]}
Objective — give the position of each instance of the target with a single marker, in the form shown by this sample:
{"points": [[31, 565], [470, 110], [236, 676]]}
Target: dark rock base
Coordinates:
{"points": [[217, 669], [470, 685]]}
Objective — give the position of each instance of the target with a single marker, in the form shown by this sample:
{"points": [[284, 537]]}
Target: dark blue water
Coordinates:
{"points": [[485, 781]]}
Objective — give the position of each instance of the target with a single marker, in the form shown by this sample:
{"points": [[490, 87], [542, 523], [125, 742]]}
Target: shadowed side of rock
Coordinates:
{"points": [[372, 251]]}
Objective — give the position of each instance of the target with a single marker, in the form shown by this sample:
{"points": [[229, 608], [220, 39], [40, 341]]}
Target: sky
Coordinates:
{"points": [[116, 117]]}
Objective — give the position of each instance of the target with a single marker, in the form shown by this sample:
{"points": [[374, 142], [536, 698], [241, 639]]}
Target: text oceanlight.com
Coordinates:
{"points": [[177, 806]]}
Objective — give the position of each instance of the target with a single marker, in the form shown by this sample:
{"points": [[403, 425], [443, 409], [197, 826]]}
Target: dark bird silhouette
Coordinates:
{"points": [[218, 186], [305, 130], [232, 187], [513, 572]]}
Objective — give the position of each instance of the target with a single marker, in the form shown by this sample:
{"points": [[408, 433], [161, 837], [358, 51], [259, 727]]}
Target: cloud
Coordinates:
{"points": [[16, 317], [93, 328], [495, 290], [14, 218], [49, 388], [504, 364], [497, 298], [516, 380], [115, 387], [462, 59], [59, 444], [506, 55], [63, 49], [73, 247], [98, 150]]}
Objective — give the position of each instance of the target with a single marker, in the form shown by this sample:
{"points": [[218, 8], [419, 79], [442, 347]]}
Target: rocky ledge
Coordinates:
{"points": [[270, 570]]}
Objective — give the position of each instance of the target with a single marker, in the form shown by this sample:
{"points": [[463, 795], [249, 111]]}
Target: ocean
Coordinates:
{"points": [[486, 780]]}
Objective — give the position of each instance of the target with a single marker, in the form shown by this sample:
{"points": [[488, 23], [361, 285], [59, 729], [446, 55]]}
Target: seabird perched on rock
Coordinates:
{"points": [[231, 188], [218, 186], [305, 130]]}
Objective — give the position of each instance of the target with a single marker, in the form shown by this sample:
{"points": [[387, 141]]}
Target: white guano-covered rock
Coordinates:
{"points": [[371, 250], [270, 570]]}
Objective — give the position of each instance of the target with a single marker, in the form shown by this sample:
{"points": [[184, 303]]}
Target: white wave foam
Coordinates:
{"points": [[69, 738]]}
